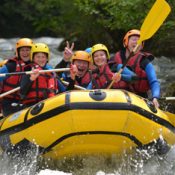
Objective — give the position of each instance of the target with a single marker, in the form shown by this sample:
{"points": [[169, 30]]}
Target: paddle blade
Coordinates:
{"points": [[154, 19]]}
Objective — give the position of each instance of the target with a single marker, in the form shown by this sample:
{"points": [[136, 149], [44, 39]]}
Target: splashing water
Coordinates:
{"points": [[140, 162], [19, 165]]}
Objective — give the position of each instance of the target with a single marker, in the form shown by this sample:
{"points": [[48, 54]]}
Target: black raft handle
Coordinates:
{"points": [[97, 95]]}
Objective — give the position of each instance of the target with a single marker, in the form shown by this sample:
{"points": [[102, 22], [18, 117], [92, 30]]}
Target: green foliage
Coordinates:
{"points": [[123, 15], [86, 22], [47, 15], [118, 14]]}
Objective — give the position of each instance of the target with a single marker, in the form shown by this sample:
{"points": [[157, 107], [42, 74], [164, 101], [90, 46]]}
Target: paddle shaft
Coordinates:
{"points": [[76, 86], [31, 72], [9, 92], [125, 63], [167, 98], [18, 88]]}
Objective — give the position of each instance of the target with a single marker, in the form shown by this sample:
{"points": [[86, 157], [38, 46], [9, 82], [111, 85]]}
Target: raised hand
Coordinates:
{"points": [[73, 71], [116, 77], [34, 75], [68, 51]]}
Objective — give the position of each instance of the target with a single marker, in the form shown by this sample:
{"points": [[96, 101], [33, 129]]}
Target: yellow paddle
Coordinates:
{"points": [[151, 24]]}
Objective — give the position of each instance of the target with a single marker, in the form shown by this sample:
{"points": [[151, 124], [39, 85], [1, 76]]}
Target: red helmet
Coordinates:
{"points": [[128, 34]]}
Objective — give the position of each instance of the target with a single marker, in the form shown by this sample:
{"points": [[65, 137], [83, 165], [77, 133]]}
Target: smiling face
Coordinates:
{"points": [[24, 53], [132, 42], [82, 67], [40, 58], [100, 58]]}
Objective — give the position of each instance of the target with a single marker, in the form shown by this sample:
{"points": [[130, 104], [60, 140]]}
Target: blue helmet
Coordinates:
{"points": [[88, 50]]}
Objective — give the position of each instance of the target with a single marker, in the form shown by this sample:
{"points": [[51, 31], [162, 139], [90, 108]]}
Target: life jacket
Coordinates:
{"points": [[118, 58], [85, 80], [101, 78], [1, 84], [12, 82], [142, 85], [43, 87]]}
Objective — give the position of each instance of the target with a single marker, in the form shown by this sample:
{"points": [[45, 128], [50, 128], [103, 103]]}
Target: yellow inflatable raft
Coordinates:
{"points": [[88, 123]]}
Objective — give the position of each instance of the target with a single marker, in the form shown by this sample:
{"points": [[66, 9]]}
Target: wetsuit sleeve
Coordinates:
{"points": [[3, 70], [126, 75], [11, 66], [62, 64], [61, 87], [71, 85], [126, 78], [125, 71], [144, 63], [25, 85], [153, 82], [48, 67], [8, 68], [89, 86]]}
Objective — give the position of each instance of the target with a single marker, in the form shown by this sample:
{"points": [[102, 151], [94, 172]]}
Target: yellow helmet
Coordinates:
{"points": [[39, 47], [128, 34], [23, 42], [97, 47], [81, 55]]}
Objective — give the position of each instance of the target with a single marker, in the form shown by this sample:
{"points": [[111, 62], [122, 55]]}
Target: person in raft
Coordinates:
{"points": [[10, 103], [102, 76], [79, 63], [141, 65], [38, 86]]}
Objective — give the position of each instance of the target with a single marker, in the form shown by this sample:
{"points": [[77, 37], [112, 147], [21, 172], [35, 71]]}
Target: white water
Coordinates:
{"points": [[7, 48], [141, 163]]}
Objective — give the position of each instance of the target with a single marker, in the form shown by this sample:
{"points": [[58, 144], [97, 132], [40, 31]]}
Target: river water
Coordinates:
{"points": [[139, 163]]}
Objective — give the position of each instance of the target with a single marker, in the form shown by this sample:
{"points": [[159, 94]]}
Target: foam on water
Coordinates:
{"points": [[52, 172], [140, 162]]}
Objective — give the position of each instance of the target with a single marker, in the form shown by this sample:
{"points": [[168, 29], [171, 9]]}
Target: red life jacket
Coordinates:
{"points": [[85, 80], [1, 84], [117, 58], [102, 77], [43, 87], [142, 85], [12, 82]]}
